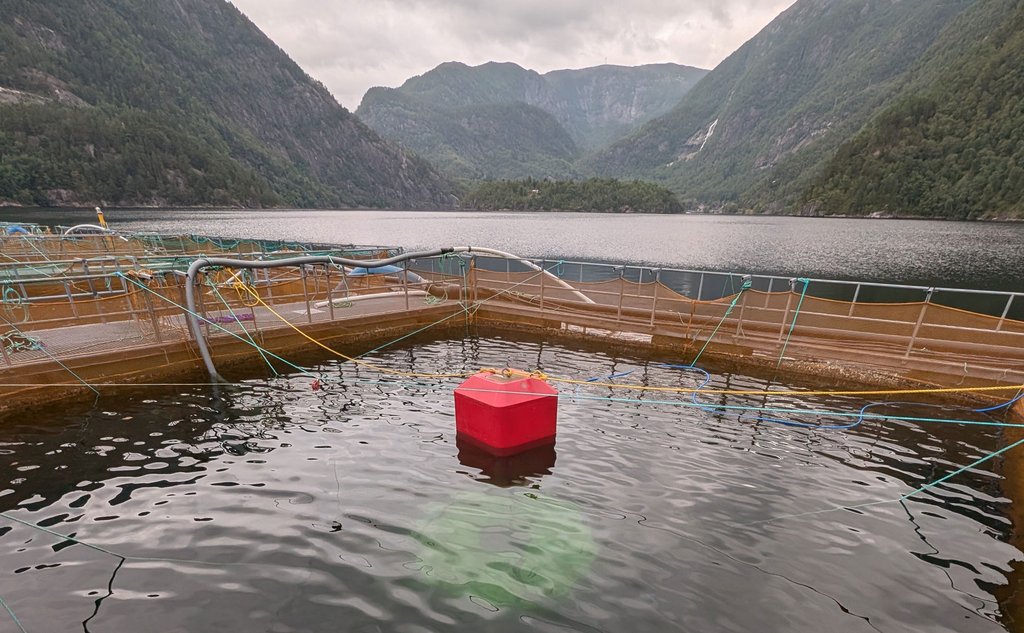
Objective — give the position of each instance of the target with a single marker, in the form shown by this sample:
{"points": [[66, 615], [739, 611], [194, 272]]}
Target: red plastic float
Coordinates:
{"points": [[506, 414]]}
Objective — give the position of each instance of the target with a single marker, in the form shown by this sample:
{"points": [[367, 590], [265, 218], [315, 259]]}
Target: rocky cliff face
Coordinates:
{"points": [[212, 111], [571, 111], [602, 104]]}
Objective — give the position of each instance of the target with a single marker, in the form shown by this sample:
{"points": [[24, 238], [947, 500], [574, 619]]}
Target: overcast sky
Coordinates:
{"points": [[351, 45]]}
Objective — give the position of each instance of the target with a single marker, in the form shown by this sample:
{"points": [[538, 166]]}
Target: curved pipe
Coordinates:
{"points": [[203, 262], [94, 227]]}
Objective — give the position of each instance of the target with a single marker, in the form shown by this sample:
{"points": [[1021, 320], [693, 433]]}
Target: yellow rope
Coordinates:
{"points": [[762, 392], [508, 372], [364, 363]]}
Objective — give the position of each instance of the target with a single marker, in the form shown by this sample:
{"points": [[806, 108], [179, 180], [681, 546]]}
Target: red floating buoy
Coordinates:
{"points": [[505, 414]]}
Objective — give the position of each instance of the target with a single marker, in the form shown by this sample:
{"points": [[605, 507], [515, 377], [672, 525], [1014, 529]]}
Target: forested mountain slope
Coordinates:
{"points": [[952, 145], [180, 102], [759, 128]]}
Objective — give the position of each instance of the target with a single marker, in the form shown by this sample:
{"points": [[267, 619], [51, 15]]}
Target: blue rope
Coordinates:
{"points": [[859, 416]]}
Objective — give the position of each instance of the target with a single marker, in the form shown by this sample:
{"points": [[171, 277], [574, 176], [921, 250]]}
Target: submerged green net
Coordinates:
{"points": [[508, 548]]}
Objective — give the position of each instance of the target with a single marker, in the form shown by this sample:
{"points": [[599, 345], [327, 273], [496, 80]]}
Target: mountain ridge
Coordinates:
{"points": [[592, 105]]}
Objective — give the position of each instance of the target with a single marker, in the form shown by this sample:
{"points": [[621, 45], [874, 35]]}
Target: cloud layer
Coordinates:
{"points": [[351, 45]]}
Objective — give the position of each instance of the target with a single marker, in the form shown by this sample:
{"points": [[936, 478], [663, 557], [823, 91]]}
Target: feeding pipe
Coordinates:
{"points": [[94, 227], [204, 262]]}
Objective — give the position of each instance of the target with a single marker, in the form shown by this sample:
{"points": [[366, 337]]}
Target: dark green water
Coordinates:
{"points": [[271, 507]]}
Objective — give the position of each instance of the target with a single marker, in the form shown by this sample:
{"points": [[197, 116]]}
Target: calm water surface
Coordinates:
{"points": [[952, 254], [270, 507]]}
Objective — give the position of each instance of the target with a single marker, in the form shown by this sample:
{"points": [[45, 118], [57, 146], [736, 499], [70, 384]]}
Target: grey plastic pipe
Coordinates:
{"points": [[193, 270]]}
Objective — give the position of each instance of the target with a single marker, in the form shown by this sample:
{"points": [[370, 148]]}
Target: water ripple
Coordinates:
{"points": [[274, 508]]}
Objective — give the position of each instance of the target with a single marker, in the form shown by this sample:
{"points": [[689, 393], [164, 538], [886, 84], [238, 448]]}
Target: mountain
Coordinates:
{"points": [[475, 142], [180, 102], [758, 129], [448, 114], [952, 144]]}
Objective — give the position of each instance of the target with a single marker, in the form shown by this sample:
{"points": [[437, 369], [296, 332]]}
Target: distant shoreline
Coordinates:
{"points": [[9, 208]]}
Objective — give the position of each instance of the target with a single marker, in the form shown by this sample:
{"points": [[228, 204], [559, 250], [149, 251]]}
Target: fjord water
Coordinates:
{"points": [[929, 253], [267, 506]]}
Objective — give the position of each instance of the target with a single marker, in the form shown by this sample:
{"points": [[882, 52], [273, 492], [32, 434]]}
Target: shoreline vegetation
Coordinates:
{"points": [[600, 195], [6, 206]]}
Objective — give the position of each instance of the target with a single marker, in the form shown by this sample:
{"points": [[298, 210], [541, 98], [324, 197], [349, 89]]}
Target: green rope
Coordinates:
{"points": [[792, 326], [465, 310], [43, 349], [244, 329], [18, 342], [219, 327], [746, 286], [59, 535]]}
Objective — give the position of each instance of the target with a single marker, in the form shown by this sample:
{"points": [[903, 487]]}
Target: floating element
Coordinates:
{"points": [[505, 413]]}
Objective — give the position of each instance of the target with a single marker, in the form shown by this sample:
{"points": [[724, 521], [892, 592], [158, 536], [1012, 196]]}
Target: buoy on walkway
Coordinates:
{"points": [[506, 414]]}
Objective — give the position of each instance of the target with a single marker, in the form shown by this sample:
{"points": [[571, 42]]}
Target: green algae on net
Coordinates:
{"points": [[511, 549]]}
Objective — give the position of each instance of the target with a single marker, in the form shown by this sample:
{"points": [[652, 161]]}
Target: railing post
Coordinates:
{"points": [[3, 350], [405, 283], [622, 290], [71, 300], [743, 306], [1006, 311], [700, 286], [543, 267], [920, 320], [201, 294], [785, 314], [330, 292], [853, 304], [153, 317], [474, 279], [132, 316], [305, 294], [654, 300], [270, 285]]}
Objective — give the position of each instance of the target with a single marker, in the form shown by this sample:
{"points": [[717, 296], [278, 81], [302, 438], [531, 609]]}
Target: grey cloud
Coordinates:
{"points": [[351, 45]]}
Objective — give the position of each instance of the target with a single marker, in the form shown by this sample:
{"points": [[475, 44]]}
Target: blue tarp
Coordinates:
{"points": [[379, 270]]}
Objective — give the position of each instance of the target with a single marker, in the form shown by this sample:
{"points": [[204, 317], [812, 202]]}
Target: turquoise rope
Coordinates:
{"points": [[54, 358], [65, 537], [239, 322], [792, 326], [216, 325], [746, 286], [465, 309], [782, 410], [10, 612], [903, 498]]}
